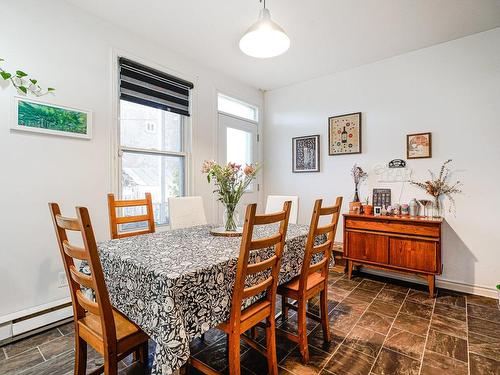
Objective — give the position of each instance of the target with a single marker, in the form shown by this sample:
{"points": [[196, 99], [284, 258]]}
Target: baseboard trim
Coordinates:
{"points": [[440, 283]]}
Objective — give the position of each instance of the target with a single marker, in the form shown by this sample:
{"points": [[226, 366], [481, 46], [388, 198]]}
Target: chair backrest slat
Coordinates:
{"points": [[82, 305], [114, 220], [74, 251], [268, 267], [258, 288], [324, 250]]}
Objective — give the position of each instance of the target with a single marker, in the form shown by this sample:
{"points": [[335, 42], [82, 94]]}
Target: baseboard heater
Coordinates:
{"points": [[35, 322]]}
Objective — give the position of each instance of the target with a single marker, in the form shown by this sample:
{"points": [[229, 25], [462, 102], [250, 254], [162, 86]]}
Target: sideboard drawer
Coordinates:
{"points": [[414, 228], [368, 247], [413, 254]]}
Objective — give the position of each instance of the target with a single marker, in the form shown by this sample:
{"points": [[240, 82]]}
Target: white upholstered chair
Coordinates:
{"points": [[186, 212], [275, 203]]}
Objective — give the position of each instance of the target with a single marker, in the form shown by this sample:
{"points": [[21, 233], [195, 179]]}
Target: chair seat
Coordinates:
{"points": [[128, 335], [251, 315], [291, 288]]}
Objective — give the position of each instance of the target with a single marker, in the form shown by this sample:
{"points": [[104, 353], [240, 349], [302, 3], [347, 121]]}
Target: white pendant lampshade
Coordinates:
{"points": [[264, 38]]}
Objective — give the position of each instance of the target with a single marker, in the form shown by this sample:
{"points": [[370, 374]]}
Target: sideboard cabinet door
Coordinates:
{"points": [[413, 254], [368, 247]]}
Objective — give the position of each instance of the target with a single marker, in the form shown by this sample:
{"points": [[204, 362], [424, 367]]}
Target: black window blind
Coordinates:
{"points": [[143, 85]]}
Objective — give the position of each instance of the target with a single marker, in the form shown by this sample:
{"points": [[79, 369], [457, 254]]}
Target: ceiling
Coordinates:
{"points": [[327, 36]]}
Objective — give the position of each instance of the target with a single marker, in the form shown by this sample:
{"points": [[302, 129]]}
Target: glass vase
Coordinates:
{"points": [[437, 208], [230, 219]]}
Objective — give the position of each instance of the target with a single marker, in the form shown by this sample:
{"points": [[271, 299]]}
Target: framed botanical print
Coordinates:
{"points": [[418, 146], [344, 134], [305, 154]]}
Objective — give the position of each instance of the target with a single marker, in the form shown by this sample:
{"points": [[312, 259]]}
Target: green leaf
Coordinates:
{"points": [[20, 73], [33, 81], [23, 89], [5, 75], [51, 89]]}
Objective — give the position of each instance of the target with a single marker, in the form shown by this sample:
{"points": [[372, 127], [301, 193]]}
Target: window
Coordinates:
{"points": [[237, 108], [152, 140]]}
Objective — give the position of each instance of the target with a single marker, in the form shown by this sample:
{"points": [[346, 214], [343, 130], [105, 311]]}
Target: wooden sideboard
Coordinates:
{"points": [[396, 243]]}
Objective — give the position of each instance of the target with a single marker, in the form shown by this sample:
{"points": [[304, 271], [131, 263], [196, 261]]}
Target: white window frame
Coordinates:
{"points": [[256, 107], [117, 149]]}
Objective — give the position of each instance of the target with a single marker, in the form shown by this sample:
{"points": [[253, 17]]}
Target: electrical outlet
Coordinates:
{"points": [[63, 282]]}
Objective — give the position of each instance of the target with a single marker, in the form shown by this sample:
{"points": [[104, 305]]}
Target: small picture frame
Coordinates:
{"points": [[419, 146], [305, 154], [377, 211]]}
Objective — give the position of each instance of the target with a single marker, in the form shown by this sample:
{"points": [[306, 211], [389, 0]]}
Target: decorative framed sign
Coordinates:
{"points": [[418, 146], [305, 154], [39, 117], [344, 134], [381, 197]]}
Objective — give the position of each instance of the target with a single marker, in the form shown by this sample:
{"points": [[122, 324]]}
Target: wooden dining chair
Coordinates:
{"points": [[313, 278], [114, 220], [274, 202], [240, 320], [97, 323], [186, 212]]}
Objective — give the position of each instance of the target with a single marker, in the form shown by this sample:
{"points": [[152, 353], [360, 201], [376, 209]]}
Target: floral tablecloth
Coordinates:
{"points": [[178, 284]]}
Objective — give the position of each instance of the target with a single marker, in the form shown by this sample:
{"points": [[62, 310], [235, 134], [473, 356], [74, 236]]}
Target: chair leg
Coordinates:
{"points": [[302, 322], [284, 308], [234, 354], [144, 353], [324, 315], [110, 364], [80, 355], [272, 359]]}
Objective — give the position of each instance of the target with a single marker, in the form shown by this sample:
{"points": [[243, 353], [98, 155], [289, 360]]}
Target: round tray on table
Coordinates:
{"points": [[221, 231]]}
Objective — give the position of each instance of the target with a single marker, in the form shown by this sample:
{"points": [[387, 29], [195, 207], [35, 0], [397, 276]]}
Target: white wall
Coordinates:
{"points": [[72, 51], [451, 90]]}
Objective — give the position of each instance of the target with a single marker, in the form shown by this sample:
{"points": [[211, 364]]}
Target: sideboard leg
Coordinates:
{"points": [[432, 284], [349, 269]]}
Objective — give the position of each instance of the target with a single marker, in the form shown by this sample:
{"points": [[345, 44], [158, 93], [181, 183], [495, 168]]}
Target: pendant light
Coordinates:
{"points": [[264, 38]]}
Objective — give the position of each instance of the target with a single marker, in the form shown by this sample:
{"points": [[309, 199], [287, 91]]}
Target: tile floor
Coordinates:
{"points": [[379, 327]]}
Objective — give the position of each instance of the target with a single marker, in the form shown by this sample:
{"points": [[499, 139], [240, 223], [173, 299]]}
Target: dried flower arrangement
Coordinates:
{"points": [[440, 186], [358, 175]]}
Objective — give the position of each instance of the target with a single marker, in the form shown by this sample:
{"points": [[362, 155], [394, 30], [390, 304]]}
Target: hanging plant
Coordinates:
{"points": [[23, 83]]}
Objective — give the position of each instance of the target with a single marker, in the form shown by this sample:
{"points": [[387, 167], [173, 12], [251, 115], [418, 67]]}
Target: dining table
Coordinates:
{"points": [[177, 284]]}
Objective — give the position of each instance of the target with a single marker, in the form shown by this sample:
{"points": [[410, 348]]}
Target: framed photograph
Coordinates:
{"points": [[305, 154], [418, 146], [39, 117], [377, 210], [344, 134]]}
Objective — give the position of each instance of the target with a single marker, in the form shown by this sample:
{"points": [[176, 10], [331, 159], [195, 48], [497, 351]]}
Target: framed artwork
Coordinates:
{"points": [[305, 154], [344, 134], [39, 117], [381, 197], [418, 146]]}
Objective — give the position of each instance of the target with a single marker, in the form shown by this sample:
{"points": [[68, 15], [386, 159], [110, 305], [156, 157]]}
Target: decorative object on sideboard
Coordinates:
{"points": [[419, 146], [439, 187], [344, 134], [382, 197], [305, 154], [426, 205], [24, 83], [358, 176], [405, 209], [231, 181], [377, 210], [413, 207], [39, 117], [367, 207], [397, 163]]}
